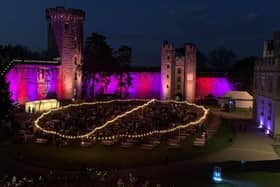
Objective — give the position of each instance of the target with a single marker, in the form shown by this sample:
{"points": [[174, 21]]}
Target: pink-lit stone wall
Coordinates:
{"points": [[216, 86], [33, 82], [148, 85]]}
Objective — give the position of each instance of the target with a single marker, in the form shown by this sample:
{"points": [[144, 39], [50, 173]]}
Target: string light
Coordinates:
{"points": [[147, 103]]}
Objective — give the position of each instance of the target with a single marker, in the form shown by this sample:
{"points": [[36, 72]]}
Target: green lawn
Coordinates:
{"points": [[72, 157]]}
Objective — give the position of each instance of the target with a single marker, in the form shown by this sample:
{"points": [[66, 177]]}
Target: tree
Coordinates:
{"points": [[242, 74], [123, 59], [221, 59], [123, 56], [10, 52], [5, 99], [97, 58], [202, 64]]}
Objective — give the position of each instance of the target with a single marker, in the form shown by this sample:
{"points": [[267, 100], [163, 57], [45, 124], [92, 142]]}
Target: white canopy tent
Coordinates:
{"points": [[242, 99]]}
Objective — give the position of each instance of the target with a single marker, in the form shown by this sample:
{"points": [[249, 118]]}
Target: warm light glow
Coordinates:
{"points": [[109, 122]]}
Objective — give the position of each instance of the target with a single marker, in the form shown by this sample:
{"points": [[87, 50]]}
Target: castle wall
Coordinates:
{"points": [[33, 82], [148, 85], [217, 86]]}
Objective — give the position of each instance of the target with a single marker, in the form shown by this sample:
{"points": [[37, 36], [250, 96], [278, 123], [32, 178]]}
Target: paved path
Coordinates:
{"points": [[251, 145]]}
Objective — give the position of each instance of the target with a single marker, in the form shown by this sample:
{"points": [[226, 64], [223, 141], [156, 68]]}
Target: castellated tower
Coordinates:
{"points": [[65, 41], [178, 72], [190, 72], [167, 69]]}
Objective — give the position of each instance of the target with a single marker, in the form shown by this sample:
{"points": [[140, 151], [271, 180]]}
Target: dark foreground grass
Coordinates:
{"points": [[74, 157]]}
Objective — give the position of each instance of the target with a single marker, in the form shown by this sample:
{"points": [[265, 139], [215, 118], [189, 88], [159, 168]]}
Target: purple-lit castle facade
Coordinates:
{"points": [[267, 87], [61, 77]]}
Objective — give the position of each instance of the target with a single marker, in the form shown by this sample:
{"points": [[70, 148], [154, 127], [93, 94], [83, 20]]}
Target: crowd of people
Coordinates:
{"points": [[157, 115], [82, 119]]}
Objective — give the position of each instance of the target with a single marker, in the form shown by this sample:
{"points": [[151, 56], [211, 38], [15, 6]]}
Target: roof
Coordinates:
{"points": [[239, 95]]}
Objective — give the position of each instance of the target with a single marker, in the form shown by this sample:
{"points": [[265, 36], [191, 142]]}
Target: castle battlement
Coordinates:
{"points": [[178, 71], [60, 13], [167, 45]]}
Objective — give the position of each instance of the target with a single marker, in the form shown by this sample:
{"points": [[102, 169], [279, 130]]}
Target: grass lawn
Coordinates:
{"points": [[73, 157]]}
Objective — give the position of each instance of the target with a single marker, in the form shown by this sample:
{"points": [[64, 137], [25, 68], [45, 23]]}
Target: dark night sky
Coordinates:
{"points": [[241, 25]]}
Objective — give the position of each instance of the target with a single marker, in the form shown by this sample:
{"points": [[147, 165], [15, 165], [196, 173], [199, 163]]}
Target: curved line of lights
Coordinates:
{"points": [[89, 134]]}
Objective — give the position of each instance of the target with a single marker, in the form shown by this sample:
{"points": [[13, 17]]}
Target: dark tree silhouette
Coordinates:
{"points": [[221, 59], [202, 64], [97, 58], [10, 52], [242, 74], [5, 99], [123, 59]]}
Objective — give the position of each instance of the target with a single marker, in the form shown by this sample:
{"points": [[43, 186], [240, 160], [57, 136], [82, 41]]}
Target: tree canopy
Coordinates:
{"points": [[100, 59], [242, 74], [221, 59], [5, 99]]}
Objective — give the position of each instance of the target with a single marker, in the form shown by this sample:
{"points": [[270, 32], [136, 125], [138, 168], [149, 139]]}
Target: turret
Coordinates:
{"points": [[65, 41], [167, 69], [190, 72]]}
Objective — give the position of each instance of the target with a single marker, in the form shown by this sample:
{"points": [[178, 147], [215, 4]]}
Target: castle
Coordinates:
{"points": [[267, 87], [178, 72], [61, 77]]}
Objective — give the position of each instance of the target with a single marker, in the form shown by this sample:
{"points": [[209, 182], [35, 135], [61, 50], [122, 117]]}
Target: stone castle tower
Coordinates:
{"points": [[65, 41], [178, 72]]}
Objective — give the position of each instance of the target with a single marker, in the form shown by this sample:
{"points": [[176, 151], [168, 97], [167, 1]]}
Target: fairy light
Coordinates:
{"points": [[135, 109]]}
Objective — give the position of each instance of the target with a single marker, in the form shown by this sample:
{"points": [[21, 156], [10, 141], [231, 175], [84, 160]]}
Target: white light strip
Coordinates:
{"points": [[88, 135]]}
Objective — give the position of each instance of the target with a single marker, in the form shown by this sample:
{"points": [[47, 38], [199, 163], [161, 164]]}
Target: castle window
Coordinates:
{"points": [[167, 86], [179, 70], [75, 76], [179, 86], [270, 84], [167, 76], [168, 57], [75, 60], [167, 66], [66, 26], [75, 42], [178, 79]]}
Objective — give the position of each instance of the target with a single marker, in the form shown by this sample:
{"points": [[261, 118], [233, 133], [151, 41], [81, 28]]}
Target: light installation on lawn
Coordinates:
{"points": [[147, 103]]}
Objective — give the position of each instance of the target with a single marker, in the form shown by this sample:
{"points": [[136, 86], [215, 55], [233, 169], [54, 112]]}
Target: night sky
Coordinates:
{"points": [[241, 25]]}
